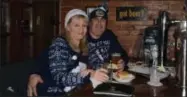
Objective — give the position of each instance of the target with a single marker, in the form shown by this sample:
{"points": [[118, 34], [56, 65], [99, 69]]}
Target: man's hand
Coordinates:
{"points": [[100, 75], [34, 79]]}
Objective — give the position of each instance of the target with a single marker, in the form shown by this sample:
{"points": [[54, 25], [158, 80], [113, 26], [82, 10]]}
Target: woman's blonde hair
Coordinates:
{"points": [[83, 42]]}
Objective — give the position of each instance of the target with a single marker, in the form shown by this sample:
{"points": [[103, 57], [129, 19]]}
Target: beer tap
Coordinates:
{"points": [[182, 66], [164, 22], [164, 26], [184, 31]]}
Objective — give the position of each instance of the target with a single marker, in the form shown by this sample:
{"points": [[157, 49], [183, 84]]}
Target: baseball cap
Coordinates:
{"points": [[99, 12]]}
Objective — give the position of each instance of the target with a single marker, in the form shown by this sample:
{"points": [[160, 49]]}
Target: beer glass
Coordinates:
{"points": [[115, 57]]}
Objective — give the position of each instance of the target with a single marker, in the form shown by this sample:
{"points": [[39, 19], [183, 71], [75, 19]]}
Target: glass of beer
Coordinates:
{"points": [[106, 66], [116, 57]]}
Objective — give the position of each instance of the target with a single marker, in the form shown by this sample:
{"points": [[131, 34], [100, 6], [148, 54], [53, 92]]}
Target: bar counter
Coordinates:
{"points": [[141, 88]]}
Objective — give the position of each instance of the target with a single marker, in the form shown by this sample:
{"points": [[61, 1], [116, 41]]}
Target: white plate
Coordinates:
{"points": [[146, 71], [126, 80]]}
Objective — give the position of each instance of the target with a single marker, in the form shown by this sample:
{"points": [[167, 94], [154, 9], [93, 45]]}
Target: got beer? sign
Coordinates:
{"points": [[131, 13]]}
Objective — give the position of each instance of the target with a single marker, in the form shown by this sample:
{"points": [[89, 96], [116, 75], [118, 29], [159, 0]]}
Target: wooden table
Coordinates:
{"points": [[169, 88]]}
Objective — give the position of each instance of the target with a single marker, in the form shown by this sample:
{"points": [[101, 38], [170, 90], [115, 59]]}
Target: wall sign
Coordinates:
{"points": [[130, 13]]}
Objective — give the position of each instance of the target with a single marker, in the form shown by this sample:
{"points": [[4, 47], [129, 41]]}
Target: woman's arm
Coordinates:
{"points": [[59, 61]]}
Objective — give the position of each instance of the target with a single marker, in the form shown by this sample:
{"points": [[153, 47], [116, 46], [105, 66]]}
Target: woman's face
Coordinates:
{"points": [[77, 27]]}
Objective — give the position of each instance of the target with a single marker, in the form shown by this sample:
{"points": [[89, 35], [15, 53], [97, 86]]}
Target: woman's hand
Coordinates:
{"points": [[121, 64], [85, 72], [100, 75], [34, 79]]}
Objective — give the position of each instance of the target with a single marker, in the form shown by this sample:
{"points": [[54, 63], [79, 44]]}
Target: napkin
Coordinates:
{"points": [[95, 82], [81, 66]]}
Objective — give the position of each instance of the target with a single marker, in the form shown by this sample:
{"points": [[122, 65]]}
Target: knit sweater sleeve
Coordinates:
{"points": [[59, 63]]}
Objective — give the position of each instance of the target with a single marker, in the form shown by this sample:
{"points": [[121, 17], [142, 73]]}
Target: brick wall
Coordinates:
{"points": [[129, 32]]}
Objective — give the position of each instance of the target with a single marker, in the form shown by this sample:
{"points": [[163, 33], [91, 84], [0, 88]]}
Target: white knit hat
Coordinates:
{"points": [[72, 13]]}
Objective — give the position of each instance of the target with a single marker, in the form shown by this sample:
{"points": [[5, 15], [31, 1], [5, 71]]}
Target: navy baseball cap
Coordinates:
{"points": [[99, 12]]}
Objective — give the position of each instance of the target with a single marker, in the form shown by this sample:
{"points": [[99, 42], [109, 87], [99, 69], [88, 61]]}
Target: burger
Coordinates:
{"points": [[122, 75], [112, 66]]}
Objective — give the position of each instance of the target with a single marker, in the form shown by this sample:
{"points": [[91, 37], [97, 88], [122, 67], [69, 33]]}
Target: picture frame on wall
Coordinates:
{"points": [[89, 10]]}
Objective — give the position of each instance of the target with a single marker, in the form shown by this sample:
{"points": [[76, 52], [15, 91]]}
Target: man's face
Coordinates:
{"points": [[97, 27]]}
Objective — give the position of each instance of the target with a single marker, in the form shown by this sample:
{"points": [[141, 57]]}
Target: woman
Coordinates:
{"points": [[63, 57]]}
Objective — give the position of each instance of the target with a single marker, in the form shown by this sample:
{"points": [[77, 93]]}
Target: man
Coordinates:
{"points": [[101, 44]]}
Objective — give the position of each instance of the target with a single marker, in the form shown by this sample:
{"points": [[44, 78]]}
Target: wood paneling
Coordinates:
{"points": [[22, 42]]}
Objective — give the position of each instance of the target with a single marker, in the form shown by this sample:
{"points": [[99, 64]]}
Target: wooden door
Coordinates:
{"points": [[44, 25], [31, 29]]}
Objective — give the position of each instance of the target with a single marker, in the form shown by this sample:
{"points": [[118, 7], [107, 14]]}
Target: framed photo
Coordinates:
{"points": [[89, 10]]}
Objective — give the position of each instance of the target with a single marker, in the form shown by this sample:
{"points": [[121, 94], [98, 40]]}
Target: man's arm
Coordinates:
{"points": [[33, 81], [35, 77]]}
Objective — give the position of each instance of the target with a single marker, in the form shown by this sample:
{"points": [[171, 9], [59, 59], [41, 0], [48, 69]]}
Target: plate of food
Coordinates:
{"points": [[123, 77]]}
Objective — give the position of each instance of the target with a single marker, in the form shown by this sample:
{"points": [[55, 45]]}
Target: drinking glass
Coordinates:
{"points": [[106, 66], [116, 57]]}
